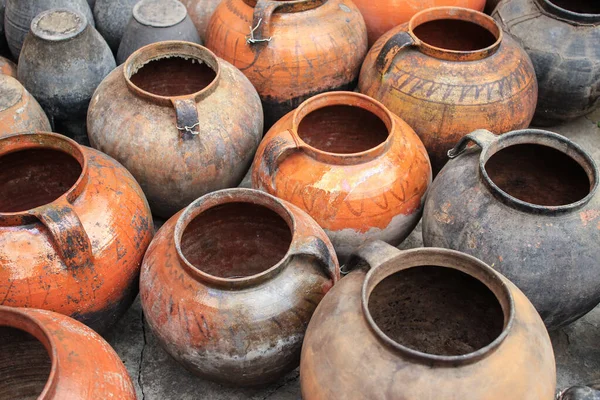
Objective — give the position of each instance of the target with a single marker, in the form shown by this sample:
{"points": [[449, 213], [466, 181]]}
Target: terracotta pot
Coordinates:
{"points": [[229, 284], [383, 15], [448, 72], [428, 324], [19, 111], [20, 13], [74, 226], [175, 104], [62, 62], [8, 67], [200, 12], [156, 21], [491, 5], [357, 169], [561, 38], [525, 202], [295, 49], [111, 18], [49, 356]]}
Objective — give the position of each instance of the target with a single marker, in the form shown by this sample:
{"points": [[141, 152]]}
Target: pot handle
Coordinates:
{"points": [[261, 21], [481, 137], [315, 247], [187, 116], [392, 47], [579, 393], [372, 254], [72, 242], [278, 149]]}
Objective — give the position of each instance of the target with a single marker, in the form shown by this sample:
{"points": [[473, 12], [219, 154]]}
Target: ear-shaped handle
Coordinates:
{"points": [[371, 255], [187, 116], [392, 47], [580, 393], [71, 240], [276, 150], [261, 21], [315, 247], [481, 137]]}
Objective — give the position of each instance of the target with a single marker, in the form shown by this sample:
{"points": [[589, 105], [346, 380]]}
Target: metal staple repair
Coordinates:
{"points": [[251, 39], [190, 128]]}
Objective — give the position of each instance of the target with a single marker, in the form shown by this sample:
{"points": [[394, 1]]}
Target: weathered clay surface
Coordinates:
{"points": [[19, 111]]}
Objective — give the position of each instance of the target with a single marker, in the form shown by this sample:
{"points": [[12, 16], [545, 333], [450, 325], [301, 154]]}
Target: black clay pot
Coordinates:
{"points": [[562, 37], [526, 203], [111, 18]]}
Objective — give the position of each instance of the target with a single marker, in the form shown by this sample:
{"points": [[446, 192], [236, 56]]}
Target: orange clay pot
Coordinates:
{"points": [[425, 324], [200, 12], [383, 15], [296, 50], [8, 67], [358, 170], [449, 72], [74, 226], [49, 356], [229, 284], [19, 111]]}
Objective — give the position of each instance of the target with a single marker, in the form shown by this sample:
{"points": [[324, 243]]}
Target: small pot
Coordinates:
{"points": [[19, 111], [112, 17]]}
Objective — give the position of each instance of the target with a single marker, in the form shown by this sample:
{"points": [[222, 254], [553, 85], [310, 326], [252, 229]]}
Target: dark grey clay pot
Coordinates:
{"points": [[62, 62], [562, 37], [20, 13], [527, 204], [156, 21], [111, 18], [591, 392]]}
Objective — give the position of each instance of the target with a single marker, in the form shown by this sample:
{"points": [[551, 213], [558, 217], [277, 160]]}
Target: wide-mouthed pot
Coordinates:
{"points": [[19, 111]]}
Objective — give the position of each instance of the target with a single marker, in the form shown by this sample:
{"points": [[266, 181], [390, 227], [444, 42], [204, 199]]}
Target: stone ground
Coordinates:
{"points": [[158, 377]]}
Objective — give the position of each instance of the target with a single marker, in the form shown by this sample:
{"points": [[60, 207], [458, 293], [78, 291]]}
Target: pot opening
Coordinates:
{"points": [[35, 177], [236, 240], [539, 175], [342, 129], [436, 310], [173, 76], [578, 6], [455, 35], [25, 365]]}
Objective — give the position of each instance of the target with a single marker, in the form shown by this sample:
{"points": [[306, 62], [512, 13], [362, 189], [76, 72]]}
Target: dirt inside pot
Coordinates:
{"points": [[342, 129], [173, 76], [538, 175], [236, 240], [436, 310], [24, 365], [578, 6], [32, 178], [456, 35]]}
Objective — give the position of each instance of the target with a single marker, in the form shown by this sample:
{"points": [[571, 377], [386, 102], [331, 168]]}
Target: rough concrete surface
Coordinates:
{"points": [[157, 376]]}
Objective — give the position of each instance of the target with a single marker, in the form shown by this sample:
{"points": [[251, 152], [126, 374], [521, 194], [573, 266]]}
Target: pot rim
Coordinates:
{"points": [[177, 19], [36, 31], [31, 325], [422, 257], [289, 6], [226, 196], [557, 11]]}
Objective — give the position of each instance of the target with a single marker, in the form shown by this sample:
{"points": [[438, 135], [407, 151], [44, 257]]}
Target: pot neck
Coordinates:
{"points": [[563, 14]]}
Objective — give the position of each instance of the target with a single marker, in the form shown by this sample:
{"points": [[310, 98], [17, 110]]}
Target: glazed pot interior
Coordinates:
{"points": [[436, 310], [578, 6], [236, 240], [25, 365]]}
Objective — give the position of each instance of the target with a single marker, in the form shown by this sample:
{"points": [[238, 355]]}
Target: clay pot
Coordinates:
{"points": [[490, 6], [448, 72], [49, 356], [8, 67], [357, 169], [383, 15], [200, 12], [229, 284], [561, 37], [74, 226], [427, 324], [525, 202], [184, 122], [156, 21], [62, 62], [111, 18], [20, 13], [295, 49], [19, 111]]}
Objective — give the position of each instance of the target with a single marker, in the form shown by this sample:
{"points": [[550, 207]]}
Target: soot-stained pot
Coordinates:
{"points": [[562, 39], [229, 284], [111, 18], [426, 324], [525, 203], [20, 13], [181, 120], [358, 170], [19, 111], [290, 50], [156, 21], [200, 12], [448, 72], [48, 356], [74, 226]]}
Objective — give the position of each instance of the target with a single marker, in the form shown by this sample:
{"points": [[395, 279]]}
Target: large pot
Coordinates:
{"points": [[184, 122], [358, 170], [74, 226], [200, 12], [111, 18], [561, 37], [293, 50], [19, 111], [229, 284], [448, 72], [425, 324], [526, 203], [49, 356]]}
